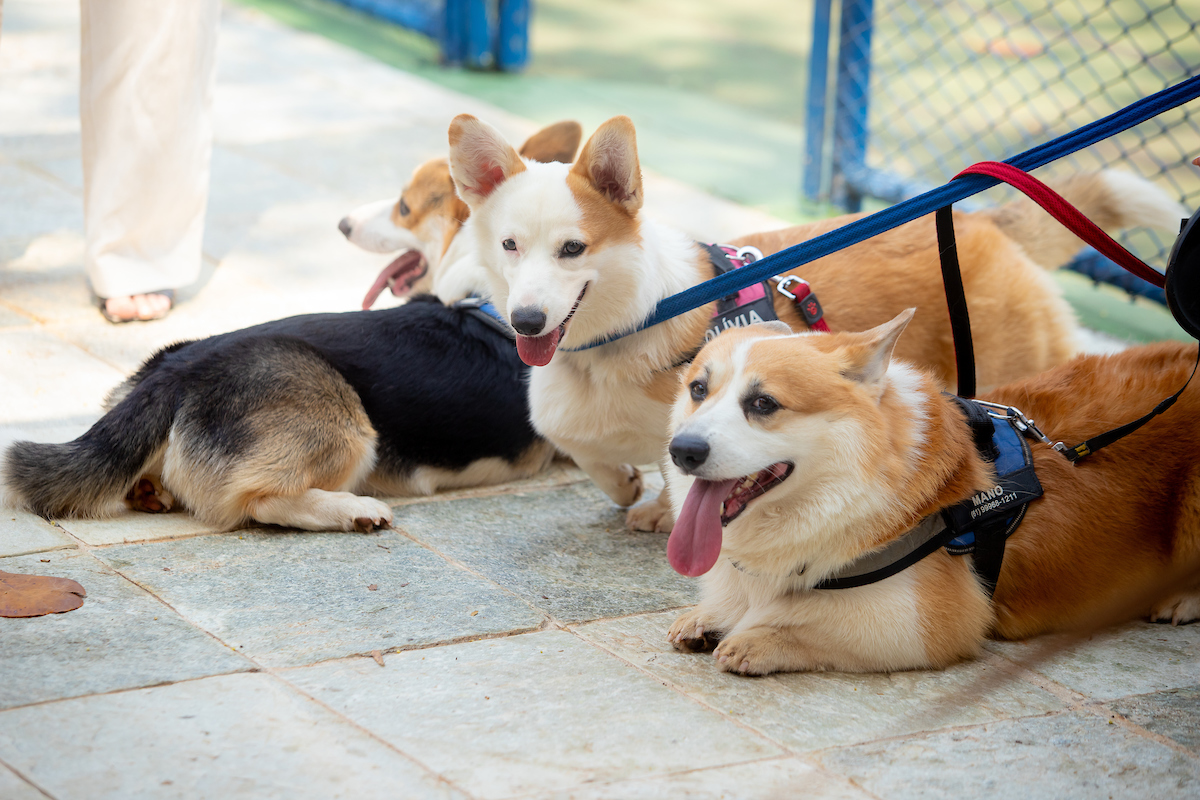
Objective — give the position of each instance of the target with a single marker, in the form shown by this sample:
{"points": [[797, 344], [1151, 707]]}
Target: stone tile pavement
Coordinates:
{"points": [[520, 628]]}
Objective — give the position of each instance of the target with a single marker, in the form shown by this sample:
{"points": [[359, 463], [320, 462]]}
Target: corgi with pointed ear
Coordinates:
{"points": [[424, 223], [800, 456], [572, 261]]}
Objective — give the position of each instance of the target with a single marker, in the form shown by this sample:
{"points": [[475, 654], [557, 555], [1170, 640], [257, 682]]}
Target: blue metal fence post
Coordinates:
{"points": [[454, 30], [851, 105], [481, 33], [814, 118], [512, 47]]}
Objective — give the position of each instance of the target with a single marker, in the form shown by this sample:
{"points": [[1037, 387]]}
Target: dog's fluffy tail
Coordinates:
{"points": [[1111, 198], [90, 476]]}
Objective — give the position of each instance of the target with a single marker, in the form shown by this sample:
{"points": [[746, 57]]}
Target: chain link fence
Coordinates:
{"points": [[922, 89]]}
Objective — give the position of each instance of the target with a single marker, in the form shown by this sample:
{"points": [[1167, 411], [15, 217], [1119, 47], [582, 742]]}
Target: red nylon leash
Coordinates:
{"points": [[1068, 215]]}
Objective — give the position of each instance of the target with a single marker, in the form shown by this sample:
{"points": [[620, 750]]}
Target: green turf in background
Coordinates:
{"points": [[702, 112], [716, 91], [1110, 310]]}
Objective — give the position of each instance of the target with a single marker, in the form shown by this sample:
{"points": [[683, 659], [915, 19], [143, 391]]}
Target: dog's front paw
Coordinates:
{"points": [[690, 633], [369, 514], [1178, 609], [653, 515], [629, 485], [755, 652]]}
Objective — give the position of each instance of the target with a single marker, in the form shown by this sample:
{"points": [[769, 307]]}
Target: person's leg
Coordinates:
{"points": [[145, 100]]}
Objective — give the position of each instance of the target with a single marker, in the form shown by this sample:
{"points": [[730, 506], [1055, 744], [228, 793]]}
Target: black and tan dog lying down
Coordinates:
{"points": [[292, 421]]}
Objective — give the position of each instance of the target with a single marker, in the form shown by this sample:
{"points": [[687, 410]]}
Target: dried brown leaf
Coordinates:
{"points": [[38, 595]]}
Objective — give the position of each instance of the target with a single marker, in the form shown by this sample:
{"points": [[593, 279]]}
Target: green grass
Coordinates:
{"points": [[1110, 310]]}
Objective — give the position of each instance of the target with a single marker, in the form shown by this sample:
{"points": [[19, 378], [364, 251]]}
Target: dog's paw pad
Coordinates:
{"points": [[148, 495], [1178, 609], [629, 486], [654, 516], [743, 655], [689, 635], [623, 483], [371, 516]]}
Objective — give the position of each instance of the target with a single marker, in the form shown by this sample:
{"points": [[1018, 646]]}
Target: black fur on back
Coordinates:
{"points": [[441, 388]]}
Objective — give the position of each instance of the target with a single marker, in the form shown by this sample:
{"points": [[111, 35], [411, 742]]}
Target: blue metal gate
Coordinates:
{"points": [[482, 34], [904, 93]]}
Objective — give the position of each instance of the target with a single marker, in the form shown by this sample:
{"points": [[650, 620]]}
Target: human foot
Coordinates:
{"points": [[138, 307]]}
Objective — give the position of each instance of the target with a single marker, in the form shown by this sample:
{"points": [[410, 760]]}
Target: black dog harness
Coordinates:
{"points": [[979, 526]]}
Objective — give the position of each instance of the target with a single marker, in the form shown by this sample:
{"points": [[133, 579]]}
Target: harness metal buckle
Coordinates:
{"points": [[1023, 423], [786, 282], [749, 254]]}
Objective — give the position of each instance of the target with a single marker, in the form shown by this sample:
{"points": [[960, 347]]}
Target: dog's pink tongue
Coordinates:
{"points": [[395, 274], [695, 542], [536, 351]]}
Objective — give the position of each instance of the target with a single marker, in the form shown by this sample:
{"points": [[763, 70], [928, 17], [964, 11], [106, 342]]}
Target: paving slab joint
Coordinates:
{"points": [[1022, 671], [680, 690], [29, 781], [1103, 710], [274, 674], [256, 667]]}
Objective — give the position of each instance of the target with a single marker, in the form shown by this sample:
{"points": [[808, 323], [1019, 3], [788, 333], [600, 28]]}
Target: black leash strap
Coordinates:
{"points": [[964, 354], [1082, 449], [956, 301]]}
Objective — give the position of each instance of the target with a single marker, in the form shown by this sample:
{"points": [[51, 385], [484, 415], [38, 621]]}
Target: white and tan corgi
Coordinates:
{"points": [[572, 261], [422, 226], [806, 452]]}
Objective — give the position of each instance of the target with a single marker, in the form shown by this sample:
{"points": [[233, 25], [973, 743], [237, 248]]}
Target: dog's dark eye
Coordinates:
{"points": [[699, 390], [404, 209], [763, 404], [509, 244], [571, 249]]}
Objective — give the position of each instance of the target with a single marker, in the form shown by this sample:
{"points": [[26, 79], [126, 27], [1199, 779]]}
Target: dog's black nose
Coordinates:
{"points": [[528, 320], [688, 452], [345, 227]]}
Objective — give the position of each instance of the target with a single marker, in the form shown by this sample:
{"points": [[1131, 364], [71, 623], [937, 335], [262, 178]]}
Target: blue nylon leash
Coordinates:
{"points": [[859, 230]]}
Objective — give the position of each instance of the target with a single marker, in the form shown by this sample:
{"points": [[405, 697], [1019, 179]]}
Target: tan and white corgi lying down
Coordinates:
{"points": [[805, 452], [571, 261]]}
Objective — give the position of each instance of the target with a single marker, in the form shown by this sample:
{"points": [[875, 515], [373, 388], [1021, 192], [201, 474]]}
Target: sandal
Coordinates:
{"points": [[113, 318]]}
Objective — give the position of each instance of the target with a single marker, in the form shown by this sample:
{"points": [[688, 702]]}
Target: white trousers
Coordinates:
{"points": [[148, 68]]}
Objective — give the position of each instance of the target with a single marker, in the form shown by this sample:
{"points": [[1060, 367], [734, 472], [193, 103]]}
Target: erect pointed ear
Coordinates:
{"points": [[869, 358], [558, 142], [480, 159], [609, 161]]}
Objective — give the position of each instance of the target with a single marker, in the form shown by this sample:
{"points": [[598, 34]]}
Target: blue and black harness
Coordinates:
{"points": [[979, 526]]}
